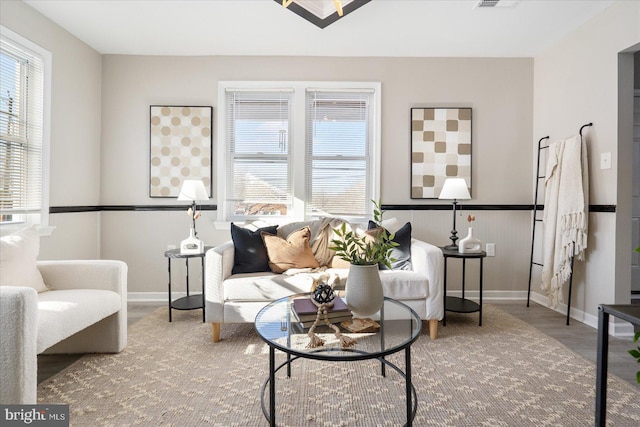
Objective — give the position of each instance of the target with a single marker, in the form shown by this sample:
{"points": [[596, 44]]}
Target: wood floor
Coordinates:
{"points": [[580, 338]]}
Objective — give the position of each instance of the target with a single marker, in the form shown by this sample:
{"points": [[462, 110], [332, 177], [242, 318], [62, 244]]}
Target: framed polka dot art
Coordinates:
{"points": [[181, 148], [440, 149]]}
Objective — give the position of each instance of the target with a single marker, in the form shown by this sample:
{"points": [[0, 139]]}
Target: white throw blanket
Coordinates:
{"points": [[565, 213]]}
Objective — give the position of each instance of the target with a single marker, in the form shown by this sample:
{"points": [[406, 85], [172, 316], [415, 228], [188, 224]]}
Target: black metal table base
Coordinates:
{"points": [[627, 312], [192, 302], [411, 394], [189, 302], [457, 304]]}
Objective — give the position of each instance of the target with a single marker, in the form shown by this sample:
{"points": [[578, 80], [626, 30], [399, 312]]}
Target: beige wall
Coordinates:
{"points": [[500, 91], [100, 140], [75, 129], [580, 80]]}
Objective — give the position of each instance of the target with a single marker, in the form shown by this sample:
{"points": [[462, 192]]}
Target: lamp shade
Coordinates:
{"points": [[193, 190], [455, 188]]}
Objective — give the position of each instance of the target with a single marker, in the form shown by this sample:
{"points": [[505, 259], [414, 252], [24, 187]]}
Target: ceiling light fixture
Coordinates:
{"points": [[322, 12]]}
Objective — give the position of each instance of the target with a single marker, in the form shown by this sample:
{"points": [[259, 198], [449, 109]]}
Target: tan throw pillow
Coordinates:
{"points": [[18, 253], [294, 252], [337, 262]]}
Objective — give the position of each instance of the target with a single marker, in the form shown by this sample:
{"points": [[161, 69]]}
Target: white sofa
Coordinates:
{"points": [[237, 298], [84, 311]]}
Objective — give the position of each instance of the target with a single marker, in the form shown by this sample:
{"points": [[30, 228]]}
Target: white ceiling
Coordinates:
{"points": [[440, 28]]}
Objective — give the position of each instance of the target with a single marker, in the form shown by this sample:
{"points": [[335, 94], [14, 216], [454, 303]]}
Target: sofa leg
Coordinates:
{"points": [[433, 328], [215, 331]]}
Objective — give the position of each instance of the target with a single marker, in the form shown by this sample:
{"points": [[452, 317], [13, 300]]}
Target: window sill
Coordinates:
{"points": [[43, 231]]}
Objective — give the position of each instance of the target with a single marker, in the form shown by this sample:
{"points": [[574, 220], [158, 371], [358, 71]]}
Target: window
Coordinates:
{"points": [[22, 141], [339, 167], [297, 150], [258, 153]]}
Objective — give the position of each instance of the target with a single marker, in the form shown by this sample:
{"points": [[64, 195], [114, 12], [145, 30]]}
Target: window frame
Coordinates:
{"points": [[40, 218], [298, 141]]}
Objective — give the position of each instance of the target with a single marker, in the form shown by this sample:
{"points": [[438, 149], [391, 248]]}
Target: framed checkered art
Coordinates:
{"points": [[440, 149], [181, 144]]}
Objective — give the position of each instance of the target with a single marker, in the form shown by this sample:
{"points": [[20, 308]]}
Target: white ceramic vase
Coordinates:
{"points": [[191, 245], [470, 245], [364, 290]]}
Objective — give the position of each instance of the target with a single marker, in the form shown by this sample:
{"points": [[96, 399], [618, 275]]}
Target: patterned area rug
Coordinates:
{"points": [[505, 373]]}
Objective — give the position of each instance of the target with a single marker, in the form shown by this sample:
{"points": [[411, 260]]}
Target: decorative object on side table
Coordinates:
{"points": [[364, 252], [470, 244], [192, 190], [456, 189]]}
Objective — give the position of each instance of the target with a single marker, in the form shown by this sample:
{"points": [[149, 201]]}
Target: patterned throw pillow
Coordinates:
{"points": [[294, 252]]}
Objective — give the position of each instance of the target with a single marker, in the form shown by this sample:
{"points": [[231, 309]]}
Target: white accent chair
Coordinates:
{"points": [[84, 311]]}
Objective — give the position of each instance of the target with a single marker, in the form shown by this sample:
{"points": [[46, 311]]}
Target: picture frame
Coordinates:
{"points": [[180, 147], [440, 148]]}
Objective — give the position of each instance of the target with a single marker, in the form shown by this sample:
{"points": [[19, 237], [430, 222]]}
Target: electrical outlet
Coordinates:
{"points": [[491, 249], [605, 160]]}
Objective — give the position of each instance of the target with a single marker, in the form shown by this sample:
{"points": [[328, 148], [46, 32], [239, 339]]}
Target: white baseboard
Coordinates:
{"points": [[617, 328], [142, 297], [491, 295]]}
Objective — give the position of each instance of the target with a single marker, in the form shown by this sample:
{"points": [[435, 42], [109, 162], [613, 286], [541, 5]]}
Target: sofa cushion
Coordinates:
{"points": [[401, 285], [294, 252], [65, 312], [264, 286], [18, 256], [402, 252], [250, 254]]}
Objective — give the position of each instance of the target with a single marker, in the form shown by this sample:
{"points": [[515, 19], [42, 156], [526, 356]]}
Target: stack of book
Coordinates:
{"points": [[305, 312]]}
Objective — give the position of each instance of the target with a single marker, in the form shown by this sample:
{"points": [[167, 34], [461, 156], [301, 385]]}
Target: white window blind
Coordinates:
{"points": [[21, 131], [340, 145], [258, 153]]}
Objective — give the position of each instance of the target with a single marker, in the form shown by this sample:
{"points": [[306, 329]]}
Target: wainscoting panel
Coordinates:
{"points": [[509, 230]]}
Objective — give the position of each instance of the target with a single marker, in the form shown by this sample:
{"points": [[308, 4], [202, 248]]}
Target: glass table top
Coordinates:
{"points": [[399, 327]]}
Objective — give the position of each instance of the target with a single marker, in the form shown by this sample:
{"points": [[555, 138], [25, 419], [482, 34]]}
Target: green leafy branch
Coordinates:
{"points": [[355, 249]]}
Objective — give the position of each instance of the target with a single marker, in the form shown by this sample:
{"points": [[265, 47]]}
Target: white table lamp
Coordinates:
{"points": [[456, 189], [194, 191]]}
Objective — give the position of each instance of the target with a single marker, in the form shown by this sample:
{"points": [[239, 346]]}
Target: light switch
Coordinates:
{"points": [[605, 160]]}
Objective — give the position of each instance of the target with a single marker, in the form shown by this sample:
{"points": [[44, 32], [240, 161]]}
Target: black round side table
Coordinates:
{"points": [[189, 302], [457, 304]]}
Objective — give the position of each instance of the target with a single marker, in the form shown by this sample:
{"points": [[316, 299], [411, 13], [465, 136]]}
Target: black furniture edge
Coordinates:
{"points": [[627, 312]]}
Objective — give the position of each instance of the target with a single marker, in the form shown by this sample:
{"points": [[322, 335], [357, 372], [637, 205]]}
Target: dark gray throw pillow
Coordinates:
{"points": [[402, 252], [250, 254]]}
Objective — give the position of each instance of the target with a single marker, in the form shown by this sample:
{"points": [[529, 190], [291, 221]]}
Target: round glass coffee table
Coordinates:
{"points": [[400, 326]]}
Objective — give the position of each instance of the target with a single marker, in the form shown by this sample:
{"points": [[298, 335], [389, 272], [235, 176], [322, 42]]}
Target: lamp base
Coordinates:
{"points": [[191, 245], [451, 247]]}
